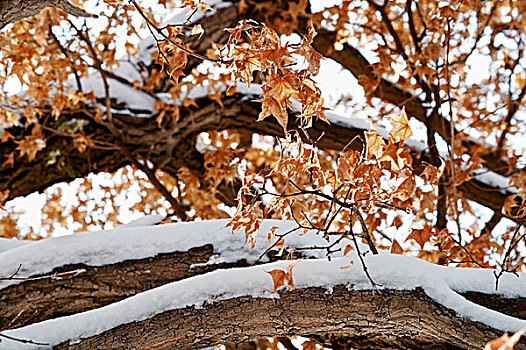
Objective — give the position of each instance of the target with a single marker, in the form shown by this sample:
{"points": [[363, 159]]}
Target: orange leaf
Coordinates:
{"points": [[282, 278], [173, 58], [398, 157], [271, 232], [347, 249], [401, 129], [31, 144], [406, 189], [375, 144], [270, 106], [308, 345], [198, 30], [515, 206], [431, 173]]}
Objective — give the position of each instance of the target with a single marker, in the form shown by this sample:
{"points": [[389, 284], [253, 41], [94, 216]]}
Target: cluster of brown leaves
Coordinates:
{"points": [[306, 180], [284, 81]]}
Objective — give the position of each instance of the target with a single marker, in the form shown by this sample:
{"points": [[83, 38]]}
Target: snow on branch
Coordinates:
{"points": [[392, 272]]}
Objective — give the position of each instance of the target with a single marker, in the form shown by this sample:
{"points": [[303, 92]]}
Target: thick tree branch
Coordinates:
{"points": [[38, 299], [143, 135], [359, 319], [14, 10]]}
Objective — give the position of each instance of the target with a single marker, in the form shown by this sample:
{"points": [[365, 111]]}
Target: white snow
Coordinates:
{"points": [[147, 220], [8, 244], [391, 271], [496, 180], [137, 242]]}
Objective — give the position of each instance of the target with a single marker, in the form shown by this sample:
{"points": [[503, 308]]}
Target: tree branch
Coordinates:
{"points": [[14, 10]]}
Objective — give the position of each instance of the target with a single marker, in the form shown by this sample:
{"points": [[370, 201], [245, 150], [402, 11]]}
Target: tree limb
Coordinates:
{"points": [[14, 10]]}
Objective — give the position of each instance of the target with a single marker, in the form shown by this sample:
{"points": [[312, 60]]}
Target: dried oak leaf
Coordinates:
{"points": [[283, 278], [505, 342]]}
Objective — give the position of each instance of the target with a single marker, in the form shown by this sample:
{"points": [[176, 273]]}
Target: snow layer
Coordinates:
{"points": [[391, 271], [137, 242], [8, 244], [146, 220]]}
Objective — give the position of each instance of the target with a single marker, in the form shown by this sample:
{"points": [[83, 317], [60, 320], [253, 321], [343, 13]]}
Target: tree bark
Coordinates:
{"points": [[98, 286], [342, 319], [14, 10]]}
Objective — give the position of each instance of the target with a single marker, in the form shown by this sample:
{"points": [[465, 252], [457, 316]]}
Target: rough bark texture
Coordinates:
{"points": [[14, 10], [102, 285], [97, 286], [342, 319]]}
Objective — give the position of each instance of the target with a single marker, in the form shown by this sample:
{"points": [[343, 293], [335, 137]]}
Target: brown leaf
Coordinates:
{"points": [[421, 236], [401, 129], [282, 278], [396, 248]]}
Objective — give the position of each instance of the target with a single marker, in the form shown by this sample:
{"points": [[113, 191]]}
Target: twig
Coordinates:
{"points": [[166, 37], [53, 275], [20, 340], [507, 256], [280, 238], [367, 235], [358, 252]]}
